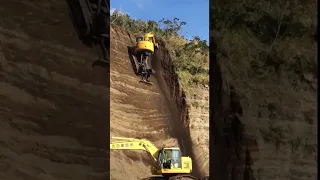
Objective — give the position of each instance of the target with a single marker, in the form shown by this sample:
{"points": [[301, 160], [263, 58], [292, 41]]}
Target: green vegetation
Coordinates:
{"points": [[191, 58]]}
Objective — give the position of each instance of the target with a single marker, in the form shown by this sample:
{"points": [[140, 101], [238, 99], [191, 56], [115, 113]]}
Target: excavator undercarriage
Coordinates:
{"points": [[141, 63]]}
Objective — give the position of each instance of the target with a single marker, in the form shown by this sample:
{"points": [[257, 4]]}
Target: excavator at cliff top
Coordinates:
{"points": [[145, 47], [169, 164]]}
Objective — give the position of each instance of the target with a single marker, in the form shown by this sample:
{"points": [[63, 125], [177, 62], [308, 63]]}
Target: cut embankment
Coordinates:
{"points": [[190, 125], [139, 110], [177, 104]]}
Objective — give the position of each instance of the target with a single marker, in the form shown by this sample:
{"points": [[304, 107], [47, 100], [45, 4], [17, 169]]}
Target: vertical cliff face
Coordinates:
{"points": [[193, 111], [159, 112], [137, 110]]}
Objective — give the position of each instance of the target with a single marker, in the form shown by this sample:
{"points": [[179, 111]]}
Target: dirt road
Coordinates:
{"points": [[53, 106]]}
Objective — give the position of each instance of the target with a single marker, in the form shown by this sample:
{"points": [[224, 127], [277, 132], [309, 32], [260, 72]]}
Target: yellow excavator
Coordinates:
{"points": [[145, 47], [169, 164], [147, 43]]}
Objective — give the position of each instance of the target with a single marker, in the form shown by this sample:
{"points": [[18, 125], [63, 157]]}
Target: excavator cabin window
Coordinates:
{"points": [[138, 39], [176, 158], [170, 158]]}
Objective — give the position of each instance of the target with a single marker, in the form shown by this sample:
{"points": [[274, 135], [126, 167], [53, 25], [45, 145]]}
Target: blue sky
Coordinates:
{"points": [[194, 12]]}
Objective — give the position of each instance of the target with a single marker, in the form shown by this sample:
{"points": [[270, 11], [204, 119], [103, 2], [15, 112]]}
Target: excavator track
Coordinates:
{"points": [[137, 68]]}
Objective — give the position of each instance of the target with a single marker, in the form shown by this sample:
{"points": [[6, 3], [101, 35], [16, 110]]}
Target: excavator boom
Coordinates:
{"points": [[134, 144]]}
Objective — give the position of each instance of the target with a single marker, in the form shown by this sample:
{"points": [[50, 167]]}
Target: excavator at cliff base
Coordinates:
{"points": [[144, 49], [169, 164]]}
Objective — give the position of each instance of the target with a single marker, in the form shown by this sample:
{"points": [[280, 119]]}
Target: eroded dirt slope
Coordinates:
{"points": [[193, 111], [53, 116], [140, 110], [136, 110]]}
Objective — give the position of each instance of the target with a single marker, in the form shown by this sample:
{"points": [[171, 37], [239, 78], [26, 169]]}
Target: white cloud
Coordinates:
{"points": [[142, 3], [112, 10]]}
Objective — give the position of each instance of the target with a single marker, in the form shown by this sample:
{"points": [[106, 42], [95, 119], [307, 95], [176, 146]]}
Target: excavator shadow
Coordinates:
{"points": [[134, 63]]}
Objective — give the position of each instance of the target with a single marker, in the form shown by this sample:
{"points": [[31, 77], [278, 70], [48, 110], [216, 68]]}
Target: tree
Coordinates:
{"points": [[171, 27]]}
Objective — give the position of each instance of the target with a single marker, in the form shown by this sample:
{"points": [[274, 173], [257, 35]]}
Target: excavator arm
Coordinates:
{"points": [[134, 144]]}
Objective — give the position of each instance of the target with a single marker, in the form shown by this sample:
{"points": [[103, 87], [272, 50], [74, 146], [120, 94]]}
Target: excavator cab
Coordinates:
{"points": [[169, 158], [170, 161]]}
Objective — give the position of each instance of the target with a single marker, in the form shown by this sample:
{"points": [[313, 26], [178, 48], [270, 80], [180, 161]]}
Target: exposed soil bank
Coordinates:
{"points": [[176, 97], [164, 98]]}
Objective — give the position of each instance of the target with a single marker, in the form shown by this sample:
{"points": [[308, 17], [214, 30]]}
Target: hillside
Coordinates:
{"points": [[264, 84]]}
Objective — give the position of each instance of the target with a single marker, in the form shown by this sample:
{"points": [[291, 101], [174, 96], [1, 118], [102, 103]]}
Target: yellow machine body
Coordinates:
{"points": [[145, 46], [179, 165], [146, 43]]}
